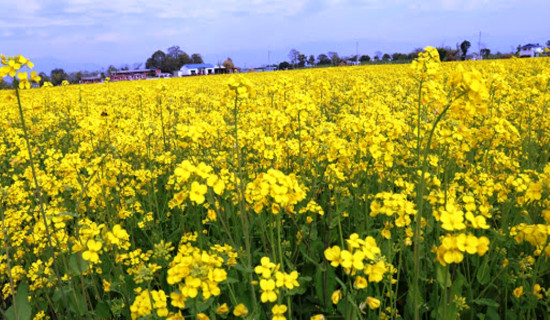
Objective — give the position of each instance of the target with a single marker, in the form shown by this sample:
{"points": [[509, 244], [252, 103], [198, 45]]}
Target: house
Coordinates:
{"points": [[134, 74], [96, 79], [530, 50], [195, 69]]}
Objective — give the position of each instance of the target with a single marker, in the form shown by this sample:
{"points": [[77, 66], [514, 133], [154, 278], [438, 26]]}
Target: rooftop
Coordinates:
{"points": [[198, 65]]}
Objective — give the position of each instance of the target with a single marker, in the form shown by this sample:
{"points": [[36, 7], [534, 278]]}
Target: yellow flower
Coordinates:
{"points": [[222, 309], [202, 316], [268, 290], [197, 192], [279, 311], [287, 280], [354, 260], [92, 253], [333, 255], [240, 310], [106, 285], [265, 268], [336, 296], [373, 303], [518, 292], [360, 282]]}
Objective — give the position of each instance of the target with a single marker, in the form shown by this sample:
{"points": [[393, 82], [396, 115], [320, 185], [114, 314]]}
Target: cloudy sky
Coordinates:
{"points": [[92, 33]]}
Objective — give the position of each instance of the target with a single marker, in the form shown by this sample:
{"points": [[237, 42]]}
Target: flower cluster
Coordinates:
{"points": [[274, 190]]}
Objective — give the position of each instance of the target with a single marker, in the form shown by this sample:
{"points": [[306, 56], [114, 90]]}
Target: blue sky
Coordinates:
{"points": [[95, 33]]}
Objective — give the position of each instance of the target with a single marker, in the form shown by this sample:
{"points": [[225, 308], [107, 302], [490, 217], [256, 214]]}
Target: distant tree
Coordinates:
{"points": [[125, 67], [75, 77], [111, 69], [57, 76], [386, 57], [398, 56], [284, 65], [311, 60], [485, 52], [293, 56], [334, 57], [464, 46], [353, 58], [228, 65], [548, 43], [378, 54], [196, 58], [184, 58], [376, 58], [323, 59], [43, 78], [156, 61], [302, 60], [174, 59], [414, 54], [174, 52], [137, 65], [364, 58], [4, 85]]}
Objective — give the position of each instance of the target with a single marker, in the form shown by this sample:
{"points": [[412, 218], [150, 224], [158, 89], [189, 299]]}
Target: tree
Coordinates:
{"points": [[137, 65], [111, 69], [57, 76], [323, 59], [548, 43], [334, 57], [184, 59], [311, 60], [293, 56], [398, 56], [364, 58], [386, 57], [156, 61], [302, 60], [464, 46], [284, 65], [413, 55], [196, 58], [228, 65], [43, 78], [174, 52], [485, 52]]}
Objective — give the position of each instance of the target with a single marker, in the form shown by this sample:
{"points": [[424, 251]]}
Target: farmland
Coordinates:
{"points": [[391, 191]]}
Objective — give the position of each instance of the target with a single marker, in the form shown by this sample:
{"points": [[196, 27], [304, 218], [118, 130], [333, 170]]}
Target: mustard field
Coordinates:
{"points": [[415, 191]]}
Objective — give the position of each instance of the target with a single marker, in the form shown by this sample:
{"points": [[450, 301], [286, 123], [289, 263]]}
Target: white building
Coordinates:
{"points": [[530, 50], [195, 69]]}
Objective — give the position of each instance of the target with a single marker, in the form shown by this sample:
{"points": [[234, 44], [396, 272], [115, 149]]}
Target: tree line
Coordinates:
{"points": [[331, 58]]}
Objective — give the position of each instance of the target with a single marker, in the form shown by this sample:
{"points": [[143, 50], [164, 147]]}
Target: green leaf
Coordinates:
{"points": [[486, 302], [230, 280], [77, 264], [483, 274], [242, 268], [492, 314], [102, 310], [443, 276], [24, 309], [78, 304]]}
